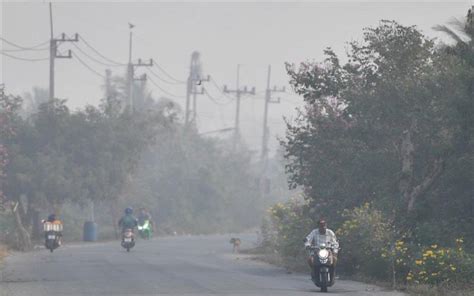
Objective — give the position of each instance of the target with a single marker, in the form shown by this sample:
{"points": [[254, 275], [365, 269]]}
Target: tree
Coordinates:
{"points": [[379, 127]]}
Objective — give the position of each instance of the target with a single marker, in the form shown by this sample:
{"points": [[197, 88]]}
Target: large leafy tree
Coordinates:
{"points": [[380, 127]]}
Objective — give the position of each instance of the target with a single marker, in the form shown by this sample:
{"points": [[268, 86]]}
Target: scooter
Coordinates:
{"points": [[323, 266], [52, 235], [128, 239], [145, 230]]}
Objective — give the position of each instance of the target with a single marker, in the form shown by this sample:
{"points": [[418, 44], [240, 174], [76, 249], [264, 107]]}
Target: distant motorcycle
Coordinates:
{"points": [[145, 229], [52, 234], [323, 266], [128, 239]]}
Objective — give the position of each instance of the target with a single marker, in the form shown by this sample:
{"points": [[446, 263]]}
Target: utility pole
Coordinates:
{"points": [[195, 79], [268, 100], [239, 92], [131, 71], [264, 179], [53, 52]]}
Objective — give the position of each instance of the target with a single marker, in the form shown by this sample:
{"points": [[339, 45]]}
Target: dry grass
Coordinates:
{"points": [[3, 252], [447, 290]]}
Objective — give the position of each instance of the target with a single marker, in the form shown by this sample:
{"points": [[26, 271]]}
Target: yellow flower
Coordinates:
{"points": [[409, 278], [453, 268], [418, 262], [441, 263], [434, 246]]}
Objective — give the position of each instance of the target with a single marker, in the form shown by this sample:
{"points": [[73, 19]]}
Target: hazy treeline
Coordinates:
{"points": [[53, 156]]}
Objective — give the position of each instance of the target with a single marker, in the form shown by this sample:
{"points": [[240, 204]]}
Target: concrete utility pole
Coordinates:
{"points": [[264, 179], [131, 71], [53, 52], [268, 100], [195, 79], [239, 92]]}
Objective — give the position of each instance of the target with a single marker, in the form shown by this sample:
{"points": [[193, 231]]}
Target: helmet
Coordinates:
{"points": [[128, 211], [51, 218]]}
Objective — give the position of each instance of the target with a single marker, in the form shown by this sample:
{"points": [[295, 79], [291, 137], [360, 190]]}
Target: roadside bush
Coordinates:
{"points": [[366, 237], [435, 265], [291, 222]]}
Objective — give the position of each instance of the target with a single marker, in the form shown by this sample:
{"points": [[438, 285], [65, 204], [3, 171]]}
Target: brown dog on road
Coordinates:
{"points": [[235, 241]]}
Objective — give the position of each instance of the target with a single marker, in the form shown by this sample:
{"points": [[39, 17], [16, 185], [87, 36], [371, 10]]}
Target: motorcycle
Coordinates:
{"points": [[128, 239], [52, 234], [145, 229], [323, 266]]}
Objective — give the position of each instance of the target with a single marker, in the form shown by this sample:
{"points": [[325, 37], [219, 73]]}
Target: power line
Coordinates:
{"points": [[25, 47], [88, 67], [216, 101], [167, 74], [219, 88], [161, 79], [163, 90], [101, 55], [94, 59], [23, 59]]}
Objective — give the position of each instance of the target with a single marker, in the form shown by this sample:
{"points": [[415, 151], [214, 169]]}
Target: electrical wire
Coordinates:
{"points": [[220, 90], [216, 101], [23, 59], [161, 79], [94, 59], [166, 73], [25, 47], [87, 66], [163, 90], [99, 54]]}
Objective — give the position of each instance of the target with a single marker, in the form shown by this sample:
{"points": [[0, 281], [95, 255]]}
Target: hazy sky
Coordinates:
{"points": [[226, 34]]}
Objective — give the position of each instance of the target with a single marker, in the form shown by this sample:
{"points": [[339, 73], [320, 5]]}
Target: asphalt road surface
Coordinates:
{"points": [[194, 265]]}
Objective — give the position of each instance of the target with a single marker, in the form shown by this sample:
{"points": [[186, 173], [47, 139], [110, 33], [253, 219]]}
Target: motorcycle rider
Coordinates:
{"points": [[145, 224], [128, 221], [144, 215], [54, 220], [322, 235]]}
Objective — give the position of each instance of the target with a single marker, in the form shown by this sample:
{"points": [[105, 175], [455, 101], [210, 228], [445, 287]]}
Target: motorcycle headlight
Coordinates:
{"points": [[323, 254]]}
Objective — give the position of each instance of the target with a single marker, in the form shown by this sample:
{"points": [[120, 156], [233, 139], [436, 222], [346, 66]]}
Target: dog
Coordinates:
{"points": [[235, 241]]}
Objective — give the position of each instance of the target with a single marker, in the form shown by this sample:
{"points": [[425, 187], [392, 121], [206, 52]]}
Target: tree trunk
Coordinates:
{"points": [[406, 154], [425, 184], [23, 235]]}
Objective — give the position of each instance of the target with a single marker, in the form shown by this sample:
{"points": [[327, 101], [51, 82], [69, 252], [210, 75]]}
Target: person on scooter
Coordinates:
{"points": [[145, 224], [128, 221], [322, 235], [54, 220]]}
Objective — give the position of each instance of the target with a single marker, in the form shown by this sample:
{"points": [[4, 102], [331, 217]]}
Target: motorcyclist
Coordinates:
{"points": [[322, 235], [54, 220], [128, 221], [144, 215]]}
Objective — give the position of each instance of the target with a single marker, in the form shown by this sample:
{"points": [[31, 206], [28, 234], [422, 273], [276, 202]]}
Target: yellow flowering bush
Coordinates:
{"points": [[292, 223], [436, 264], [364, 235]]}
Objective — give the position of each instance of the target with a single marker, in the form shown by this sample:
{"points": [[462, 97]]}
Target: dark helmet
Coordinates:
{"points": [[51, 217], [128, 211]]}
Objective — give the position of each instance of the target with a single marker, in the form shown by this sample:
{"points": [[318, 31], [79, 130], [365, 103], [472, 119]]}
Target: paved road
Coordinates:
{"points": [[198, 265]]}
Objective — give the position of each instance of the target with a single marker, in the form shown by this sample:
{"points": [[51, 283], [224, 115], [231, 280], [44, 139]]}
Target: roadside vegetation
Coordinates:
{"points": [[384, 151], [92, 163]]}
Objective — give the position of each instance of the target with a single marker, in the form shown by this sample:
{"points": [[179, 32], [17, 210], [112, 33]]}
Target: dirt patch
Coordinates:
{"points": [[3, 252]]}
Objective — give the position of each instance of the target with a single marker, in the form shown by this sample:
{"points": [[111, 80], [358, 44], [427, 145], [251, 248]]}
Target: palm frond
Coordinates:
{"points": [[450, 32]]}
